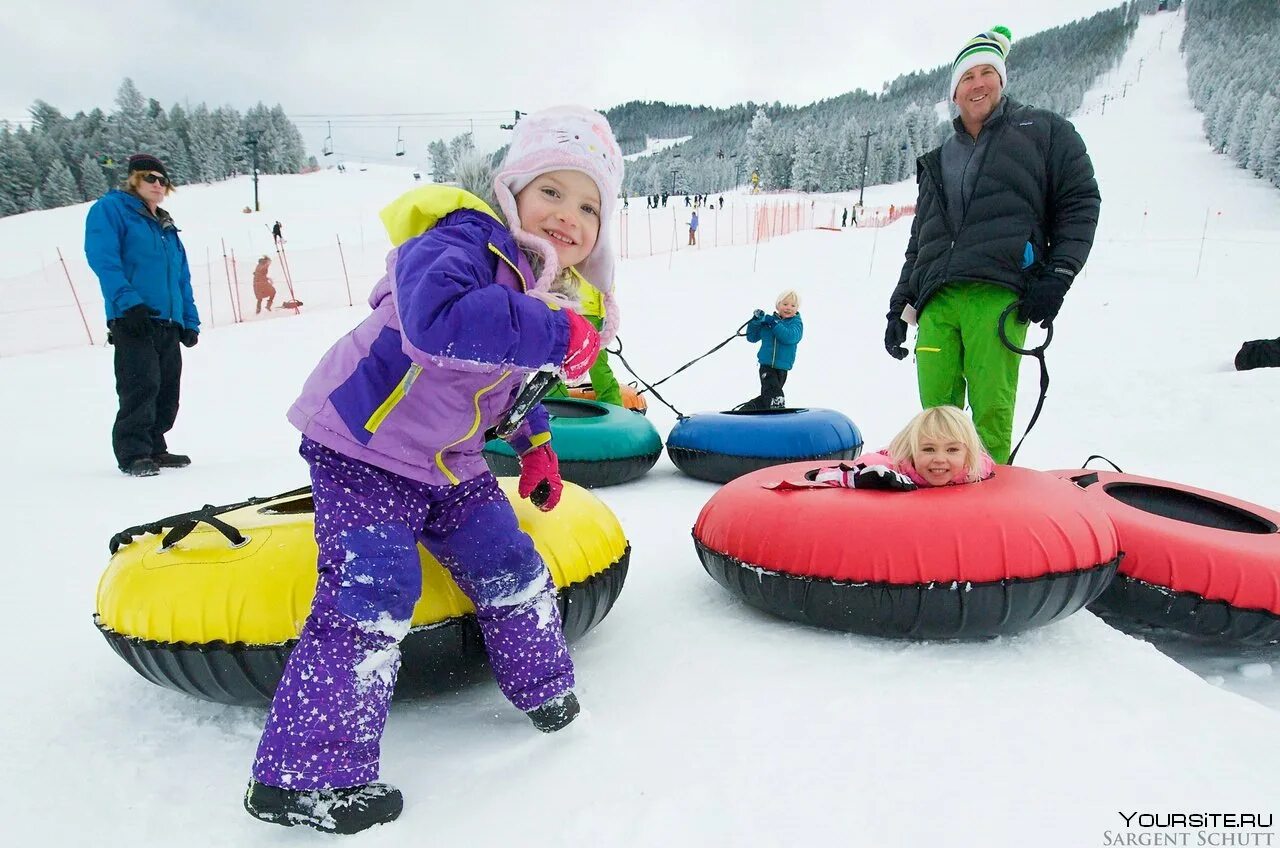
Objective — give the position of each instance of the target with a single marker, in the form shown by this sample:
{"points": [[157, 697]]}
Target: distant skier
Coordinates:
{"points": [[263, 288], [277, 233], [693, 228]]}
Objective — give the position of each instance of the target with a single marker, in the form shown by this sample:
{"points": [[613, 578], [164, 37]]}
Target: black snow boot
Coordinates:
{"points": [[556, 713], [142, 467], [348, 810], [172, 460]]}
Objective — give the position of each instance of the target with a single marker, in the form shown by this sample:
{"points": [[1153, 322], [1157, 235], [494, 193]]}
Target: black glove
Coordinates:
{"points": [[895, 335], [1043, 299], [135, 322], [190, 337], [758, 314], [884, 478]]}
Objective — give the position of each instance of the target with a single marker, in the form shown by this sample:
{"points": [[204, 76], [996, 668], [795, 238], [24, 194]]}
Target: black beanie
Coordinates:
{"points": [[146, 162]]}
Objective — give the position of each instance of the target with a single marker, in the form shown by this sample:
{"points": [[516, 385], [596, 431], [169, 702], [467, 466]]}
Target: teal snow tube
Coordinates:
{"points": [[598, 444]]}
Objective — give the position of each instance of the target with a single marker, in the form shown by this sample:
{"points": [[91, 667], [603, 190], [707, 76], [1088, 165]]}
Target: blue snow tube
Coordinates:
{"points": [[598, 444], [719, 446]]}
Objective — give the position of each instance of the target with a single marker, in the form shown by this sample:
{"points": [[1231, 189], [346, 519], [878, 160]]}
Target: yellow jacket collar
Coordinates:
{"points": [[414, 212]]}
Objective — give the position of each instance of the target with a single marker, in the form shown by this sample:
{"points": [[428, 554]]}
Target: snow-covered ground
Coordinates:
{"points": [[707, 723]]}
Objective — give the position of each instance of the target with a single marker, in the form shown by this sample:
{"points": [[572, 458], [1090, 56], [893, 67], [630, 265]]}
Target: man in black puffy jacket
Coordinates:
{"points": [[1006, 214]]}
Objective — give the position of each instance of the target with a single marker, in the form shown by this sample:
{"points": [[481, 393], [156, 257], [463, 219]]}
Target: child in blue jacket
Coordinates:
{"points": [[778, 335]]}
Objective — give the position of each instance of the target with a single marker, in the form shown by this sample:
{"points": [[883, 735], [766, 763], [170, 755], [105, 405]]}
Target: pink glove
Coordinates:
{"points": [[584, 346], [540, 478]]}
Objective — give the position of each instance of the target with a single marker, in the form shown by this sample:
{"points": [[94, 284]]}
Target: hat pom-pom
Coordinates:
{"points": [[1004, 30]]}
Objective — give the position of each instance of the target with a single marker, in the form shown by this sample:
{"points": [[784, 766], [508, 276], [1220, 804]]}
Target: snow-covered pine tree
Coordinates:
{"points": [[20, 174], [777, 173], [460, 146], [92, 183], [7, 204], [229, 137], [849, 158], [59, 188], [131, 127], [1271, 151], [1266, 111], [441, 161], [759, 142], [806, 174], [206, 153], [291, 152], [1241, 132]]}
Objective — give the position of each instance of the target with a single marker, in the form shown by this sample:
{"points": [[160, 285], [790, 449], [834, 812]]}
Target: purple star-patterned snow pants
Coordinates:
{"points": [[330, 708]]}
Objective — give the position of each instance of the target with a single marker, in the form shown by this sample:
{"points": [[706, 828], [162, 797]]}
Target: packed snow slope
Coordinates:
{"points": [[707, 723]]}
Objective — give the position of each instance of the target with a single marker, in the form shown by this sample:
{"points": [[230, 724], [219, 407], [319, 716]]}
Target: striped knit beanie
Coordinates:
{"points": [[985, 48]]}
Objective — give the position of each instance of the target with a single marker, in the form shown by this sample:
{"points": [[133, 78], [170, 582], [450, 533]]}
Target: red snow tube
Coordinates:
{"points": [[1007, 554], [1196, 561]]}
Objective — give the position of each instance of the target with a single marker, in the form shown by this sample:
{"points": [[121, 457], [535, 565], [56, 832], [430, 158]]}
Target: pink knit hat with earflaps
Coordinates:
{"points": [[565, 138]]}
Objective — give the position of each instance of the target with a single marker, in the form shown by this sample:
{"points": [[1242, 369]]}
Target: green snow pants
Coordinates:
{"points": [[958, 347], [603, 383]]}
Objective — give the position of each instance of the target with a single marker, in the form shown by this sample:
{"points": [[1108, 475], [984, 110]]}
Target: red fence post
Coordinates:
{"points": [[231, 295], [76, 296], [235, 273], [208, 272]]}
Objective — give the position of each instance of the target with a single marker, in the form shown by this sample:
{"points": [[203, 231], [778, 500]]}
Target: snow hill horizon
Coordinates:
{"points": [[707, 723]]}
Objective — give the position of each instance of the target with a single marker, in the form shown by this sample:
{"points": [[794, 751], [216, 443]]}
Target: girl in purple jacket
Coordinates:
{"points": [[393, 422]]}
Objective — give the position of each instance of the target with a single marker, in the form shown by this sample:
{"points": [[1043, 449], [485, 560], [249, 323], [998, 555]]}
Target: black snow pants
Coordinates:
{"points": [[148, 371]]}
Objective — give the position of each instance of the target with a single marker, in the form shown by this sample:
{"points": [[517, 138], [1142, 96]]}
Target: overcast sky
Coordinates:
{"points": [[481, 58]]}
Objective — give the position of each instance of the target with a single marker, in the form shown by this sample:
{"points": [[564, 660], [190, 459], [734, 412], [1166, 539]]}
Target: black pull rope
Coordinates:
{"points": [[1104, 459], [649, 387], [183, 523], [1038, 353], [618, 353], [737, 334]]}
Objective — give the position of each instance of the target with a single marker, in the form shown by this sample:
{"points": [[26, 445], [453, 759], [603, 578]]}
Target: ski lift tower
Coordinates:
{"points": [[252, 143]]}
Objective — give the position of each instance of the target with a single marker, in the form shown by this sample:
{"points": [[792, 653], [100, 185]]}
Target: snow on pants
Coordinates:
{"points": [[329, 711], [958, 347]]}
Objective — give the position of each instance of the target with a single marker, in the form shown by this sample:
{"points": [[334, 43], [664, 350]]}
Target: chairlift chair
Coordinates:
{"points": [[399, 143], [327, 147]]}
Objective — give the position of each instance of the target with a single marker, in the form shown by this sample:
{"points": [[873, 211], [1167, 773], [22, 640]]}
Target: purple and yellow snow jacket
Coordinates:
{"points": [[415, 386]]}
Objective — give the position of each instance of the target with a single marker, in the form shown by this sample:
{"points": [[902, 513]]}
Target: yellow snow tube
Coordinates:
{"points": [[167, 610]]}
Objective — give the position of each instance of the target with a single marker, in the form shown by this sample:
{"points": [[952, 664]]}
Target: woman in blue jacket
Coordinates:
{"points": [[778, 335], [133, 246]]}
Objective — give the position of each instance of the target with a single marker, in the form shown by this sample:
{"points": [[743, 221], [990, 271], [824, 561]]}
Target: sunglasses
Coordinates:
{"points": [[155, 178]]}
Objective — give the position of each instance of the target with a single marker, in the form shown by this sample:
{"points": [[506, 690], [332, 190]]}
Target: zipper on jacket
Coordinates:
{"points": [[964, 212], [397, 394], [524, 286], [475, 425], [169, 286]]}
